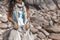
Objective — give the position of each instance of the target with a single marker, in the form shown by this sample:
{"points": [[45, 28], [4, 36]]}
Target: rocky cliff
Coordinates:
{"points": [[45, 21]]}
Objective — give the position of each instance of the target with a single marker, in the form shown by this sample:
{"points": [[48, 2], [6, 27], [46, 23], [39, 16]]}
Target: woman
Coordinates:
{"points": [[11, 9], [18, 15]]}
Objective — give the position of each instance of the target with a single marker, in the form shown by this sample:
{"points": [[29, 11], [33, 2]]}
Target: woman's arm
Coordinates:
{"points": [[11, 20], [28, 18]]}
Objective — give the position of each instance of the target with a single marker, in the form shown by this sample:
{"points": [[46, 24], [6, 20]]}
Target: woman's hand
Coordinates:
{"points": [[15, 26], [27, 26]]}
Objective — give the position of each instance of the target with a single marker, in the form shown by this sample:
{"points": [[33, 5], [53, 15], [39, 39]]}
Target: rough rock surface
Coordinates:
{"points": [[55, 36], [45, 22]]}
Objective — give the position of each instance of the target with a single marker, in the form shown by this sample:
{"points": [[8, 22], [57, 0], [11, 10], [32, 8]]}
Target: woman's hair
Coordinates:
{"points": [[11, 5]]}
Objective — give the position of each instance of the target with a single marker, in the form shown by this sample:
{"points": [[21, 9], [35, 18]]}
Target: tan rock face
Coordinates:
{"points": [[55, 36], [46, 22]]}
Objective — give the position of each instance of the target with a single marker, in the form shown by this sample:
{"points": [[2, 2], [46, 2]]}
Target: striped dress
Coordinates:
{"points": [[19, 14]]}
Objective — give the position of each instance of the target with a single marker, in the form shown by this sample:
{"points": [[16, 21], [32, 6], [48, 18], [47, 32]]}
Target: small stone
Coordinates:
{"points": [[34, 30], [43, 5], [10, 25], [49, 39], [44, 31], [54, 16], [51, 23], [42, 39], [0, 32], [41, 35], [39, 27]]}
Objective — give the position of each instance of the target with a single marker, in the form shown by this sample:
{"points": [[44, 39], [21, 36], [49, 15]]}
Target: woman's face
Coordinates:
{"points": [[19, 1]]}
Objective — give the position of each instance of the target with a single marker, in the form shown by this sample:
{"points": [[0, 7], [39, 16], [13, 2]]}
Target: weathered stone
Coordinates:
{"points": [[1, 38], [2, 31], [41, 35], [37, 39], [43, 5], [47, 39], [34, 30], [50, 4], [58, 1], [35, 36], [38, 27], [3, 25], [55, 28], [3, 18], [54, 36], [58, 12], [0, 15], [44, 31], [47, 17], [54, 18], [37, 2], [50, 23]]}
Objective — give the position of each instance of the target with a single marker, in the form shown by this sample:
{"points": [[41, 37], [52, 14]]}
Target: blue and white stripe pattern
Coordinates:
{"points": [[21, 17]]}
